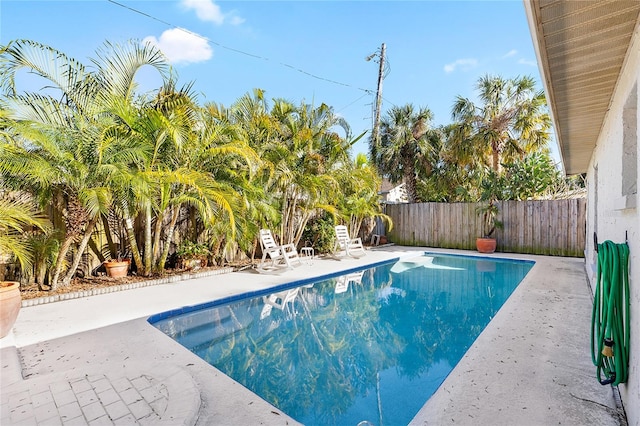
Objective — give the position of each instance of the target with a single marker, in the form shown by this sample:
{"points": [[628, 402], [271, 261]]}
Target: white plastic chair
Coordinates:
{"points": [[352, 247], [276, 257]]}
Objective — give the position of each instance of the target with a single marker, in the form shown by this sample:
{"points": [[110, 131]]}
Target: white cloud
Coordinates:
{"points": [[180, 46], [527, 62], [206, 10], [464, 64], [512, 52], [209, 11]]}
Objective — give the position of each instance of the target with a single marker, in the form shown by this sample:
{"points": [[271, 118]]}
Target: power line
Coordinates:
{"points": [[388, 101], [351, 103], [236, 50]]}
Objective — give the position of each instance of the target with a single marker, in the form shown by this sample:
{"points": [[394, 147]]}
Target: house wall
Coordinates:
{"points": [[397, 194], [612, 206]]}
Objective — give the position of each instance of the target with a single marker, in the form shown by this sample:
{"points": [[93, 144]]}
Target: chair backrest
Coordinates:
{"points": [[266, 239], [342, 233]]}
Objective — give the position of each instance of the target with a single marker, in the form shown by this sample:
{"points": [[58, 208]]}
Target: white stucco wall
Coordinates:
{"points": [[610, 214], [398, 194]]}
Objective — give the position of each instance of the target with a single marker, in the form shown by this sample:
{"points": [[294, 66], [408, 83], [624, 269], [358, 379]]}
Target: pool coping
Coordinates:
{"points": [[91, 341]]}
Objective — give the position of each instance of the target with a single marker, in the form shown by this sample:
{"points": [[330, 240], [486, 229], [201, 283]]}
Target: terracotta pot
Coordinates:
{"points": [[10, 302], [117, 269], [486, 245]]}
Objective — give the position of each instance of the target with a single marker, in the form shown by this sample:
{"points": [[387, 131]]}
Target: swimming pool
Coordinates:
{"points": [[368, 346]]}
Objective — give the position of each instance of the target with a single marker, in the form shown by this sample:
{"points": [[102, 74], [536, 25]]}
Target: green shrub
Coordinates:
{"points": [[191, 250], [319, 233]]}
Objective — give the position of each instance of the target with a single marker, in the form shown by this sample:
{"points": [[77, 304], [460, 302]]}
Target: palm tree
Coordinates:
{"points": [[231, 136], [408, 144], [59, 169], [157, 127], [63, 152], [301, 150], [185, 148], [222, 160], [510, 121], [359, 200], [17, 214]]}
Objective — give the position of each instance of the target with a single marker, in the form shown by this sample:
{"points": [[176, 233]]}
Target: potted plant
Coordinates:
{"points": [[118, 268], [10, 300], [192, 255], [489, 212], [492, 189]]}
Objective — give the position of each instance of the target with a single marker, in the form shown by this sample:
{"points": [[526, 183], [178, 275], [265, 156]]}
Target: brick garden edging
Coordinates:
{"points": [[130, 286]]}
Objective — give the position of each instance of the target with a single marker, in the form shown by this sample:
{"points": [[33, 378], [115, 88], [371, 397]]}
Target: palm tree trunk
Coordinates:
{"points": [[291, 220], [300, 229], [167, 243], [495, 157], [157, 233], [283, 224], [133, 245], [148, 245], [62, 254], [78, 256], [215, 252], [410, 182], [354, 226], [253, 251]]}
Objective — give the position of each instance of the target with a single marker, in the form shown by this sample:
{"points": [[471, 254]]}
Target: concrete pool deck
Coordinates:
{"points": [[96, 360]]}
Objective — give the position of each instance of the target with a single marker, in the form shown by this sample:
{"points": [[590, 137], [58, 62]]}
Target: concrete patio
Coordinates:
{"points": [[96, 360]]}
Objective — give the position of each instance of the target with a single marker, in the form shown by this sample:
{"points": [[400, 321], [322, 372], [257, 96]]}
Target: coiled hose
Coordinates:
{"points": [[610, 316]]}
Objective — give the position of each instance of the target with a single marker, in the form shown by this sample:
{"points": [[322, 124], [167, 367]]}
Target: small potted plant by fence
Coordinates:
{"points": [[489, 212], [192, 255]]}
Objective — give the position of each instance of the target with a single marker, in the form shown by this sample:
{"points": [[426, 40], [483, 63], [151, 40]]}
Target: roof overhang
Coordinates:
{"points": [[581, 48]]}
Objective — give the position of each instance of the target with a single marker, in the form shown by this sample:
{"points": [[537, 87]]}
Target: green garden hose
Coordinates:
{"points": [[610, 329]]}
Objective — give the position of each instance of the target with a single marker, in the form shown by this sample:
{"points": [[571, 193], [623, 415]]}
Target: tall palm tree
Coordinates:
{"points": [[408, 144], [510, 120]]}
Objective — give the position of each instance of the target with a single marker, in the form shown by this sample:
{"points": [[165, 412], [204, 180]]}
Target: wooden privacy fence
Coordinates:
{"points": [[551, 227]]}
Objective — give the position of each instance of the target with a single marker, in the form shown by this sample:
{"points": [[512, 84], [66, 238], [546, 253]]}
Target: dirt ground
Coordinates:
{"points": [[89, 283]]}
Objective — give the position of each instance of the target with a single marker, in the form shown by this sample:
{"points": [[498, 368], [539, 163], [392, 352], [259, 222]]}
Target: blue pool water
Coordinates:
{"points": [[370, 346]]}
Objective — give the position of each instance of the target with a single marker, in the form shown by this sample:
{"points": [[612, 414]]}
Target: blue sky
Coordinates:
{"points": [[312, 51]]}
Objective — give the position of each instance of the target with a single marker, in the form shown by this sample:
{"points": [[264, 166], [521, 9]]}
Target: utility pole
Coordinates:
{"points": [[375, 136]]}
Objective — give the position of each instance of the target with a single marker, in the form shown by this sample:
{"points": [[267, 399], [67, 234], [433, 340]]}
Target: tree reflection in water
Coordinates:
{"points": [[369, 347]]}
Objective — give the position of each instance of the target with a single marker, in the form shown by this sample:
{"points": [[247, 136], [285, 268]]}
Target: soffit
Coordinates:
{"points": [[581, 48]]}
